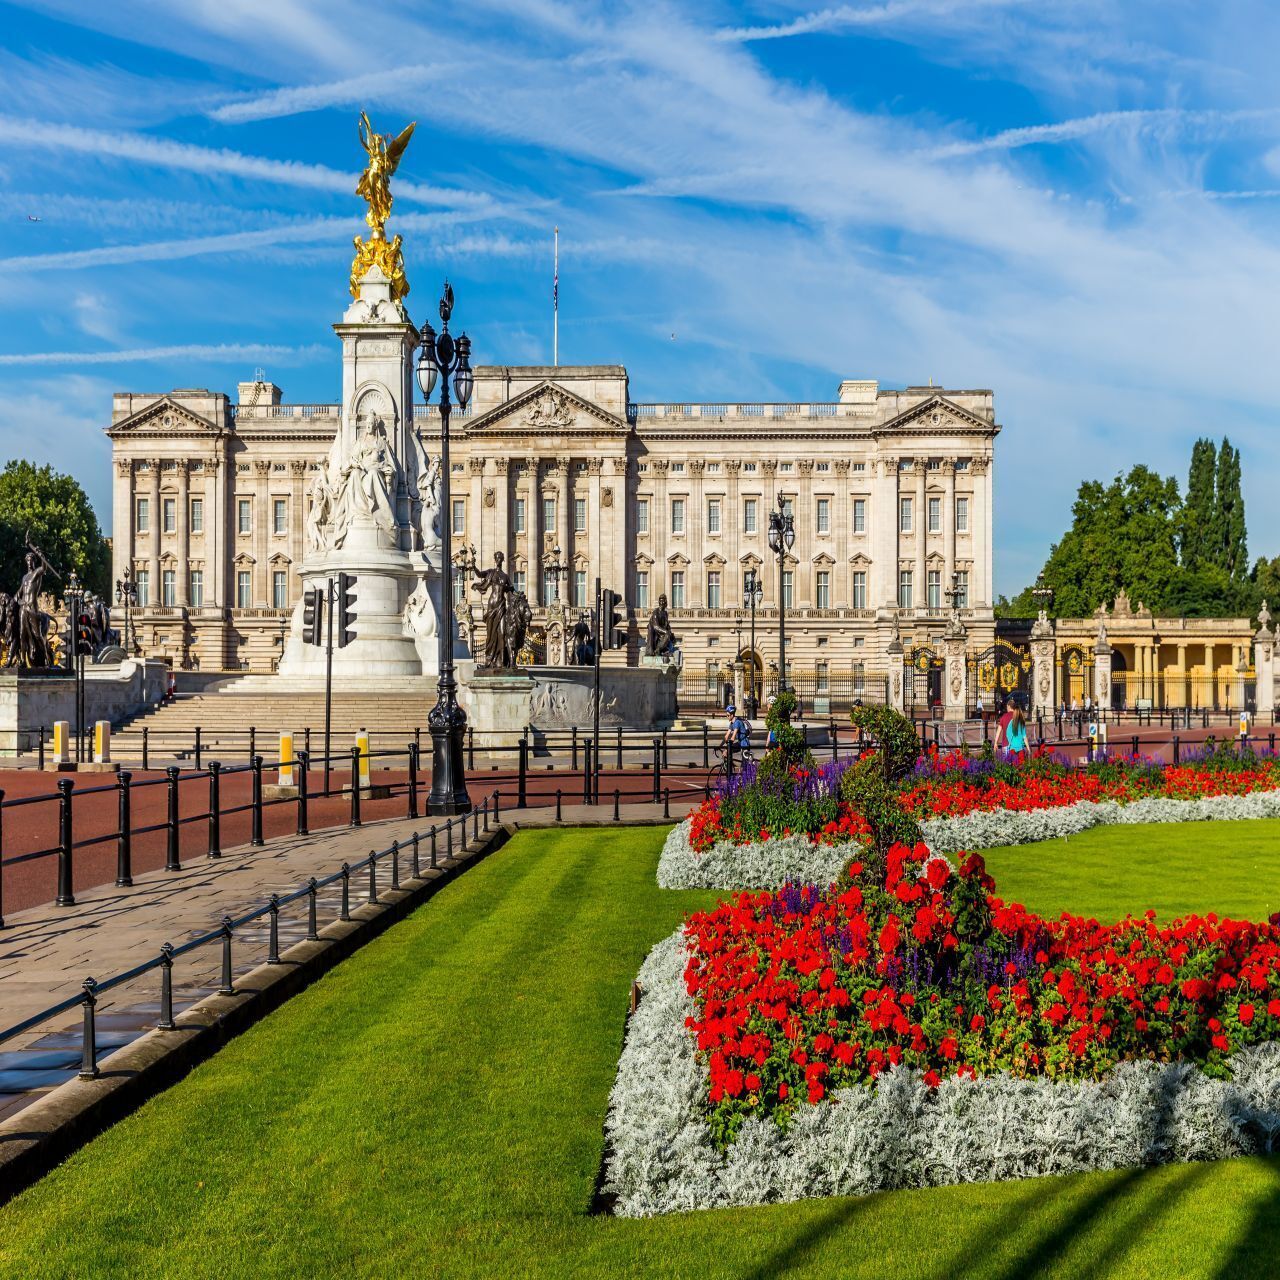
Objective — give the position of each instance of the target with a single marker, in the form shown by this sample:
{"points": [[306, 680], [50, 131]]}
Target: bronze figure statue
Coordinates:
{"points": [[506, 616], [660, 640], [515, 627], [29, 627], [583, 653]]}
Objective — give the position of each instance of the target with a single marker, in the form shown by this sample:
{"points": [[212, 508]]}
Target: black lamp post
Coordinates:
{"points": [[439, 358], [782, 537], [555, 569], [752, 594], [127, 595]]}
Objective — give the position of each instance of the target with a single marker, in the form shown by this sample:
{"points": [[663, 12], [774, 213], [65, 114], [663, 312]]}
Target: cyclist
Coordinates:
{"points": [[738, 732]]}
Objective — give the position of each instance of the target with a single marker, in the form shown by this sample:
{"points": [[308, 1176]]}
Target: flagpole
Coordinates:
{"points": [[555, 306]]}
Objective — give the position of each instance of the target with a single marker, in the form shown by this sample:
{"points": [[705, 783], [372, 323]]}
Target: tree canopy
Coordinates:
{"points": [[1178, 557], [55, 510]]}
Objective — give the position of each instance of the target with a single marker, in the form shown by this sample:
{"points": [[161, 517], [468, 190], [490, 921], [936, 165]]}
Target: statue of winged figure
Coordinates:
{"points": [[374, 186]]}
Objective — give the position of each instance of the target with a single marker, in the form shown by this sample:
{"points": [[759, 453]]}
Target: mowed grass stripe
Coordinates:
{"points": [[434, 1107]]}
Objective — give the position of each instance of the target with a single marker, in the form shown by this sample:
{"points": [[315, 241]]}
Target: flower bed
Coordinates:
{"points": [[906, 1027], [758, 864]]}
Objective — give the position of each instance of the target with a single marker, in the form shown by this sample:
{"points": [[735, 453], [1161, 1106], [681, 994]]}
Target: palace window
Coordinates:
{"points": [[713, 589], [195, 588], [142, 516], [677, 468], [789, 507], [935, 589], [859, 466], [935, 515], [713, 468], [859, 589], [519, 515], [822, 585], [459, 515], [548, 515], [459, 592], [713, 515], [642, 589], [962, 586], [280, 589], [823, 685], [550, 587], [748, 466], [579, 515], [244, 515], [904, 515], [824, 466], [142, 579], [169, 588], [824, 515], [962, 464], [750, 507], [170, 515], [197, 515], [244, 589], [786, 466], [859, 515], [962, 515], [642, 515], [279, 516], [677, 589], [905, 589], [580, 588], [788, 589], [677, 515]]}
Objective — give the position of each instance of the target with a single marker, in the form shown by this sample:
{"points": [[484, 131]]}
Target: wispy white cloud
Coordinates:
{"points": [[230, 353], [167, 154], [373, 86], [849, 17]]}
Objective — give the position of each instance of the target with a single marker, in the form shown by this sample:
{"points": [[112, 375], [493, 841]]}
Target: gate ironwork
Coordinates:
{"points": [[1001, 672]]}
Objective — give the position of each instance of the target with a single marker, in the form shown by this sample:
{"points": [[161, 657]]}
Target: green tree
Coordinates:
{"points": [[1233, 554], [54, 509], [1199, 510]]}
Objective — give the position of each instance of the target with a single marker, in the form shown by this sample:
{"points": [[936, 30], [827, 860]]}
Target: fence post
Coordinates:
{"points": [[228, 987], [256, 836], [558, 818], [1175, 748], [666, 802], [497, 800], [313, 934], [416, 864], [485, 808], [831, 733], [475, 824], [588, 762], [617, 799], [273, 933], [433, 848], [471, 747], [373, 875], [448, 839], [345, 913], [172, 858], [304, 827], [657, 769], [521, 797], [66, 845], [146, 748], [124, 838], [1135, 745], [395, 864], [166, 1022], [89, 1044], [198, 748], [666, 750], [306, 740], [706, 751], [619, 748], [40, 748], [215, 813], [354, 820], [575, 748], [413, 780], [253, 742]]}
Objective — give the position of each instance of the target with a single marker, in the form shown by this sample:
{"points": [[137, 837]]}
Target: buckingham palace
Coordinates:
{"points": [[570, 478]]}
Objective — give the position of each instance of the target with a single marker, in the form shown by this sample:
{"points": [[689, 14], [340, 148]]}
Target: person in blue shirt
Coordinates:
{"points": [[1016, 736], [738, 732]]}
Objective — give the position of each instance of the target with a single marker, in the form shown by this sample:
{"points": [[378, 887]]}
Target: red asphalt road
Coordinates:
{"points": [[29, 828]]}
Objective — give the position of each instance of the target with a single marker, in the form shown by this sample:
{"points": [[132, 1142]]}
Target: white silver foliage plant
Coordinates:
{"points": [[901, 1133], [765, 864]]}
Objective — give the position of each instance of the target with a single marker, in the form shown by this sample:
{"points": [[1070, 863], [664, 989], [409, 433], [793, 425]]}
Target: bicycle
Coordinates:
{"points": [[730, 764]]}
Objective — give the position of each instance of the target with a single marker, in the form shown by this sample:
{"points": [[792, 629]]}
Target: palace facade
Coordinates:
{"points": [[559, 469]]}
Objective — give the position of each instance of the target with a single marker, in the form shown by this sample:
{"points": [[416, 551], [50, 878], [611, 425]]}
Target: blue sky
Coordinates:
{"points": [[1075, 205]]}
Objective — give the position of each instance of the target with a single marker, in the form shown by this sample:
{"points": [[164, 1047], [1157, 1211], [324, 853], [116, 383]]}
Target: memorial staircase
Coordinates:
{"points": [[225, 716]]}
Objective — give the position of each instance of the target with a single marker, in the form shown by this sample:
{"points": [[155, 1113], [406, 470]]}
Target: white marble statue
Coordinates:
{"points": [[420, 613], [319, 515], [366, 485], [429, 516]]}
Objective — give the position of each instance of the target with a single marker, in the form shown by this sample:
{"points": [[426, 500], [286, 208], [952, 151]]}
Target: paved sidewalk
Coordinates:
{"points": [[47, 952]]}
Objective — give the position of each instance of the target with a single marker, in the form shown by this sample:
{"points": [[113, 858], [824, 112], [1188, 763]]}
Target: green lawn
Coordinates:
{"points": [[434, 1106], [1232, 868]]}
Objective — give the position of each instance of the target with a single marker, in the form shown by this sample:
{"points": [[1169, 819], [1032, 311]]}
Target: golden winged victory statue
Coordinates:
{"points": [[375, 186]]}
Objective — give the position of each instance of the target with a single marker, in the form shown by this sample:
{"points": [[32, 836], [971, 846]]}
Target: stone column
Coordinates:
{"points": [[841, 594], [955, 678], [1264, 648], [768, 568], [217, 536], [919, 577], [1102, 672], [183, 521], [1210, 690], [262, 531], [949, 522], [894, 663], [502, 511], [474, 535], [298, 519], [1044, 696], [157, 524], [596, 561], [731, 523], [885, 537], [532, 529], [122, 542], [619, 497], [565, 537], [695, 517], [805, 538]]}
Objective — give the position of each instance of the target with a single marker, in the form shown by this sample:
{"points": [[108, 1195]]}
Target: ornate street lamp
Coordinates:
{"points": [[752, 594], [127, 595], [782, 537], [1042, 594], [467, 566], [440, 357], [555, 569]]}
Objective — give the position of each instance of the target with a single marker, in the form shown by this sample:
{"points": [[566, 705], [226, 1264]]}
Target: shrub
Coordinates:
{"points": [[895, 736]]}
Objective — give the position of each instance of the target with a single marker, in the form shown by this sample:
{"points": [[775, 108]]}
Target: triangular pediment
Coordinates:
{"points": [[163, 419], [548, 409], [938, 416]]}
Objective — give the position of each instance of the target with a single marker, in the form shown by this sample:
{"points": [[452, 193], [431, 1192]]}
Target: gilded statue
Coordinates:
{"points": [[374, 186]]}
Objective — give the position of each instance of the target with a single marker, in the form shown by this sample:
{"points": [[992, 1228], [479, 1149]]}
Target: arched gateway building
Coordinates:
{"points": [[557, 467]]}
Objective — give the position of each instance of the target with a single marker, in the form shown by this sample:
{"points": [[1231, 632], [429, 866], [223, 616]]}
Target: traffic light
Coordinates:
{"points": [[346, 609], [615, 631], [84, 634], [313, 616]]}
